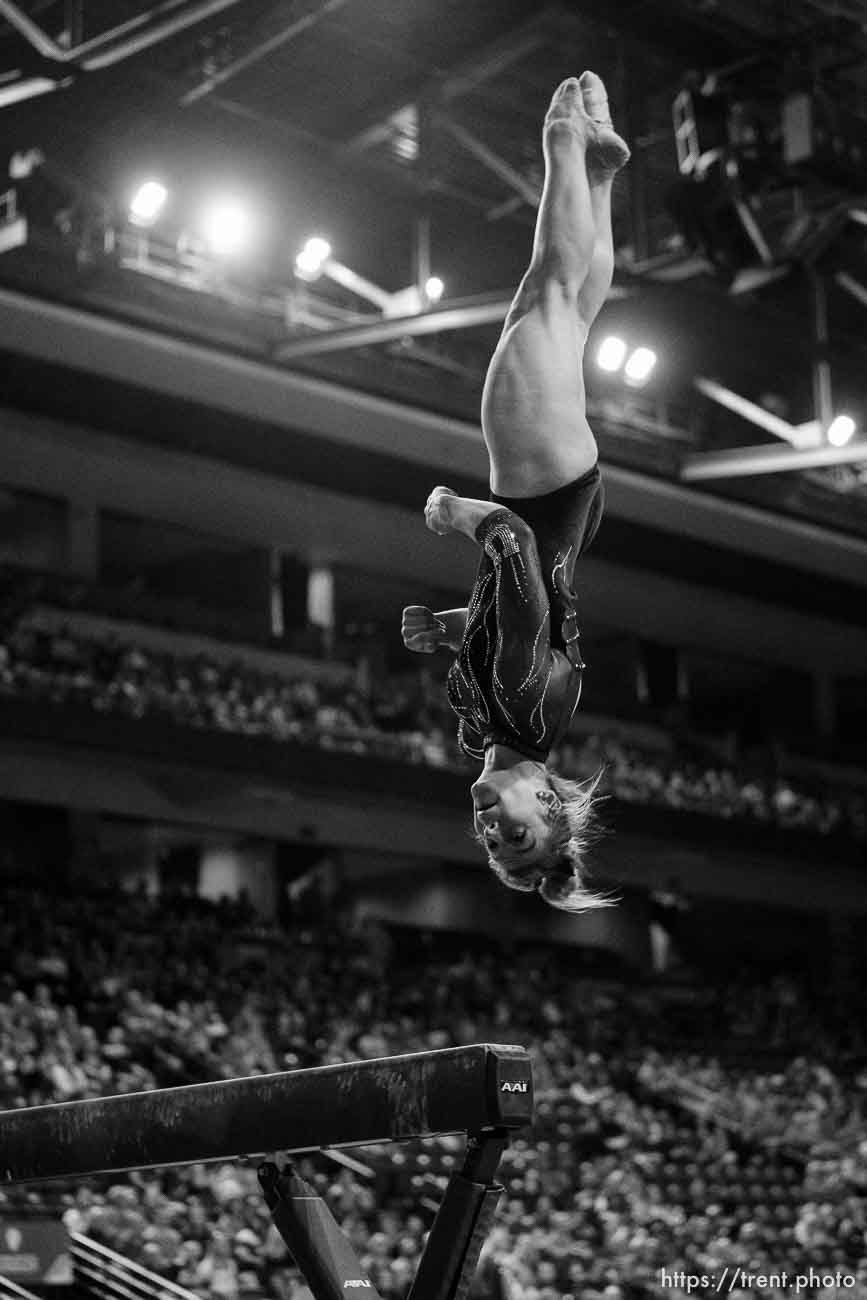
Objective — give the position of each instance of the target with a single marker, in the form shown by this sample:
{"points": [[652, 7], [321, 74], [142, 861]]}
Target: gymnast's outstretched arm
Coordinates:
{"points": [[424, 630]]}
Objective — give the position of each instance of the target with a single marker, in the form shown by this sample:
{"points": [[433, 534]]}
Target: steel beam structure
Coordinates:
{"points": [[516, 45], [460, 314], [799, 435], [852, 286], [489, 158], [28, 88], [741, 462], [405, 177], [823, 403], [301, 23], [150, 28], [474, 71]]}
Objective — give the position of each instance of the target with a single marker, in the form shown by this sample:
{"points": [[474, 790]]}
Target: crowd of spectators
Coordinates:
{"points": [[647, 1154], [405, 719]]}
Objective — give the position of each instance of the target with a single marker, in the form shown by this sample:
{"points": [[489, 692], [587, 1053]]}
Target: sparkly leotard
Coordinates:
{"points": [[517, 676]]}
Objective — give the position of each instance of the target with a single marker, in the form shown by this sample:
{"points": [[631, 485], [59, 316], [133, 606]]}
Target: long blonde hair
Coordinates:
{"points": [[561, 878]]}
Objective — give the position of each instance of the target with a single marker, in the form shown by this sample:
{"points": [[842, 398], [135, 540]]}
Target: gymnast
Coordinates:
{"points": [[516, 680]]}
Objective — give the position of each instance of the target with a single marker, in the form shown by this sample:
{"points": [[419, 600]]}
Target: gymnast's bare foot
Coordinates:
{"points": [[607, 152], [567, 116]]}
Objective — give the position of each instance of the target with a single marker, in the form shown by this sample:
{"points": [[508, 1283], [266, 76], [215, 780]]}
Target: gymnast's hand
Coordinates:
{"points": [[421, 630], [438, 512]]}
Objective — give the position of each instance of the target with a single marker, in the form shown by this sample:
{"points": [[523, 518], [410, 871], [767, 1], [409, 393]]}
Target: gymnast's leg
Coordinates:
{"points": [[533, 415]]}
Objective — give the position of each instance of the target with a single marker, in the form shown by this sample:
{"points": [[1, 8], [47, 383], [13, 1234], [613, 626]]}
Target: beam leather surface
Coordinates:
{"points": [[461, 1089]]}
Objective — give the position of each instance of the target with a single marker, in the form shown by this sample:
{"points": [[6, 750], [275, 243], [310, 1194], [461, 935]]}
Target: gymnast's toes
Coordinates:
{"points": [[595, 98], [567, 112], [607, 152]]}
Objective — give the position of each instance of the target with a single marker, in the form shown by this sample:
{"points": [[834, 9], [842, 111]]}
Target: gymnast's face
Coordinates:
{"points": [[515, 810]]}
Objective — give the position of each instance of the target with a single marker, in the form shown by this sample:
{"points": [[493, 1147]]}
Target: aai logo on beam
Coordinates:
{"points": [[519, 1085]]}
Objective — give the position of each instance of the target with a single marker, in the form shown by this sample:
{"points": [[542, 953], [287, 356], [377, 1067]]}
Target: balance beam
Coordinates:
{"points": [[457, 1090]]}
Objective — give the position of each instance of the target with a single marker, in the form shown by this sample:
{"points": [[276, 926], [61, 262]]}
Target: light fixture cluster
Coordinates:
{"points": [[148, 203], [434, 288], [312, 257], [226, 224], [227, 227], [841, 430], [614, 356], [315, 259]]}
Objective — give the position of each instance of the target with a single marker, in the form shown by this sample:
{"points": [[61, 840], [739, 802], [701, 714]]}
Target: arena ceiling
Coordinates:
{"points": [[408, 134]]}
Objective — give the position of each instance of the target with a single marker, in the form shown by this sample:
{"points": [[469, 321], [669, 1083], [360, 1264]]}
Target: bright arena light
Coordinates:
{"points": [[640, 366], [227, 226], [147, 203], [313, 257], [840, 430], [611, 354], [434, 288]]}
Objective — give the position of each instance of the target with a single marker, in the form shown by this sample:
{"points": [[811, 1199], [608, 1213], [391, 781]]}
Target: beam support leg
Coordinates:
{"points": [[464, 1219], [318, 1246]]}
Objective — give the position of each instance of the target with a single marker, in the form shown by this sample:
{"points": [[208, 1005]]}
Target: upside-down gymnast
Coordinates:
{"points": [[516, 681]]}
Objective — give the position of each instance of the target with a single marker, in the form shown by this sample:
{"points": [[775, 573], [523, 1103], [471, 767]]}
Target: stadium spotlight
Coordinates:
{"points": [[840, 430], [227, 226], [640, 365], [611, 353], [147, 203], [312, 258], [434, 288]]}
